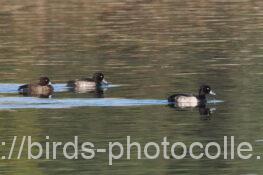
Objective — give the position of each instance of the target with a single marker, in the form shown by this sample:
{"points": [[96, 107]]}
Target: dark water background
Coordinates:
{"points": [[152, 48]]}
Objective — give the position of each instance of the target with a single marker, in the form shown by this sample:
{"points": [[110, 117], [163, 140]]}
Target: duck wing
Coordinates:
{"points": [[72, 83], [87, 79], [173, 98]]}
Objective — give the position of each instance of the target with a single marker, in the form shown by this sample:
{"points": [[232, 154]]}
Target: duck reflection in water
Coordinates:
{"points": [[204, 111]]}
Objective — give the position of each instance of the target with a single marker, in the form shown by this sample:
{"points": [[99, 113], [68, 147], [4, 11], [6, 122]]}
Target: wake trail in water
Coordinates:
{"points": [[32, 102], [53, 103], [41, 103], [13, 88]]}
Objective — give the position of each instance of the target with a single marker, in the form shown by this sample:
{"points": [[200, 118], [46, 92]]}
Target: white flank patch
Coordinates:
{"points": [[187, 101], [85, 84]]}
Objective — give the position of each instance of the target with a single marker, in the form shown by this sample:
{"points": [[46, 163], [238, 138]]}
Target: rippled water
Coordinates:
{"points": [[149, 49]]}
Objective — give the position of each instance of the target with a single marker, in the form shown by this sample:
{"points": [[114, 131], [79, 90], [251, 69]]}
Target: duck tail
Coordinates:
{"points": [[71, 83], [171, 99], [22, 88]]}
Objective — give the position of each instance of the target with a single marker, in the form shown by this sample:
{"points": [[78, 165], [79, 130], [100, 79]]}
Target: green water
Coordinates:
{"points": [[152, 49]]}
